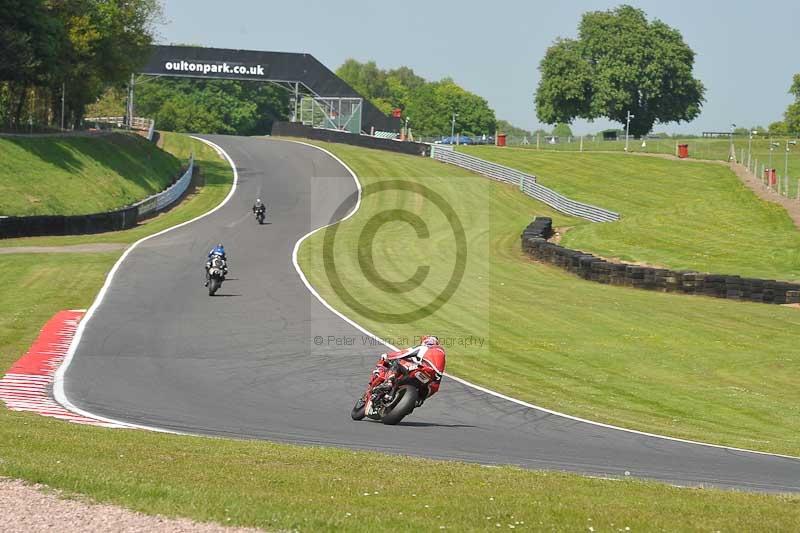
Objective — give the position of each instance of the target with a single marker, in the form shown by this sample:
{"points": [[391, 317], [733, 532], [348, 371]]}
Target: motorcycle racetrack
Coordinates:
{"points": [[159, 352]]}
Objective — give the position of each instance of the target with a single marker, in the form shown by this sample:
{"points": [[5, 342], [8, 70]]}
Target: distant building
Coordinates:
{"points": [[610, 135]]}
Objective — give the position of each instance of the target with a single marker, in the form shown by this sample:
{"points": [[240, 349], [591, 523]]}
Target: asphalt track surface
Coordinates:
{"points": [[160, 352]]}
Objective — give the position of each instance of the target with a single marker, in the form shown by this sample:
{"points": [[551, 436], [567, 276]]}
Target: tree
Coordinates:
{"points": [[562, 130], [792, 115], [85, 45], [429, 105], [386, 89], [619, 63], [778, 128], [212, 106], [509, 129]]}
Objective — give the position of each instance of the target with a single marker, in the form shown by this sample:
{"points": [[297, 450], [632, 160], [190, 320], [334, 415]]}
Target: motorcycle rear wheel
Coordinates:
{"points": [[402, 406]]}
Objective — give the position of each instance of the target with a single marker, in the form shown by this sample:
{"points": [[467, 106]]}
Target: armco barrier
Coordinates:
{"points": [[165, 198], [295, 129], [587, 266], [526, 183], [125, 218]]}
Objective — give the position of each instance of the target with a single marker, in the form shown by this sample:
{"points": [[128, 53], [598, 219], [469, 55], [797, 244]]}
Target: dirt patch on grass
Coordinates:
{"points": [[35, 508], [791, 205]]}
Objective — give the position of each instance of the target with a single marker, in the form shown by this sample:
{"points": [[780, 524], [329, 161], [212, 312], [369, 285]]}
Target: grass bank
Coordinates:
{"points": [[678, 214], [54, 175], [716, 149], [691, 367], [215, 183]]}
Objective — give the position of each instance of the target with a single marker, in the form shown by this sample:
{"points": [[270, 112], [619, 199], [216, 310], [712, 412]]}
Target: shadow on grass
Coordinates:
{"points": [[131, 157]]}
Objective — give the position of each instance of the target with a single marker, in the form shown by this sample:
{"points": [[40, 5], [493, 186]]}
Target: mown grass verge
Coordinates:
{"points": [[291, 487], [80, 175], [691, 367], [281, 487], [710, 149], [678, 214]]}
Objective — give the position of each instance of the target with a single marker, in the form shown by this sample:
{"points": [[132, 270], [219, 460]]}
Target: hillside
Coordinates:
{"points": [[678, 214], [80, 175]]}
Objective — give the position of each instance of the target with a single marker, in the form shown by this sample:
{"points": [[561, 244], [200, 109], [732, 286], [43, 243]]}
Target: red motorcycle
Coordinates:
{"points": [[407, 383]]}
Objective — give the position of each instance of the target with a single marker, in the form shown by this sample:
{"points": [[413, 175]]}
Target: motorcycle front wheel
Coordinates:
{"points": [[359, 410]]}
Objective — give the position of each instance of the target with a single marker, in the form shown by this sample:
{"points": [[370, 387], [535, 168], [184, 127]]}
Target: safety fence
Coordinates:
{"points": [[587, 266], [120, 219], [525, 182], [168, 196], [295, 129], [146, 125]]}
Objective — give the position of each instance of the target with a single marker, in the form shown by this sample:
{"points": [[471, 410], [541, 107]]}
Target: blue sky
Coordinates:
{"points": [[747, 51]]}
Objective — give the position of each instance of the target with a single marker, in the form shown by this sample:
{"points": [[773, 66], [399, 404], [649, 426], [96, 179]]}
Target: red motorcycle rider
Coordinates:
{"points": [[429, 353]]}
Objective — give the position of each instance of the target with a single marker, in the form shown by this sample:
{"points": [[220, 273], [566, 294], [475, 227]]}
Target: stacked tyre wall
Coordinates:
{"points": [[587, 266]]}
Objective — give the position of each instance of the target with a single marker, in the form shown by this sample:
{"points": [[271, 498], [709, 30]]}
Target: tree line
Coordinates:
{"points": [[429, 106], [791, 117], [70, 49]]}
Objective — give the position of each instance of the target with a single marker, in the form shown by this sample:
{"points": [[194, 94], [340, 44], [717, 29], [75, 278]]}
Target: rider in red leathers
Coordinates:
{"points": [[429, 353]]}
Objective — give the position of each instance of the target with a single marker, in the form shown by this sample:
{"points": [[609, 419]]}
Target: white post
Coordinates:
{"points": [[130, 102], [581, 143], [537, 139], [63, 92], [628, 128]]}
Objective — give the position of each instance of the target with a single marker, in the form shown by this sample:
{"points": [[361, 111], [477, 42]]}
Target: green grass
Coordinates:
{"points": [[80, 175], [691, 367], [281, 487], [679, 214], [216, 182], [709, 149], [291, 487]]}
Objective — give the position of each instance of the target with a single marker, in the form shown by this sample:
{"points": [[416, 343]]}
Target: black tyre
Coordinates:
{"points": [[403, 405], [213, 285], [359, 410]]}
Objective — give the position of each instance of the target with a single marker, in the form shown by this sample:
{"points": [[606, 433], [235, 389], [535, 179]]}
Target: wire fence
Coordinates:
{"points": [[779, 153]]}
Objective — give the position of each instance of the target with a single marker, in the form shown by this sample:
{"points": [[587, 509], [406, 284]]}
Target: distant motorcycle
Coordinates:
{"points": [[404, 389], [260, 215], [216, 274]]}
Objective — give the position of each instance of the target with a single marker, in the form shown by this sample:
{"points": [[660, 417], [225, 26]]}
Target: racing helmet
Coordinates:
{"points": [[430, 340]]}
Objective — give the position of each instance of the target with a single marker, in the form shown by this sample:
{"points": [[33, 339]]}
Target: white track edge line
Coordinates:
{"points": [[58, 385], [461, 380]]}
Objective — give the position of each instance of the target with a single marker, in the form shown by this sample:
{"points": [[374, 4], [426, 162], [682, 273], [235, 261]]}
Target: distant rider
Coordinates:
{"points": [[217, 251], [429, 353], [259, 207]]}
